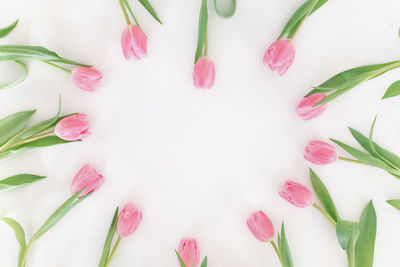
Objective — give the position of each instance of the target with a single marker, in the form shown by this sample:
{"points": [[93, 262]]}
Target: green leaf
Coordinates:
{"points": [[18, 231], [204, 263], [13, 124], [284, 248], [109, 238], [323, 196], [17, 181], [345, 231], [227, 14], [5, 31], [366, 241], [150, 9], [126, 4], [180, 259], [20, 79], [23, 52], [393, 90], [395, 203], [202, 34], [318, 5]]}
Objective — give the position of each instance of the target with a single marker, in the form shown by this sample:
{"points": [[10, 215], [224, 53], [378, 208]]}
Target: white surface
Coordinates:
{"points": [[199, 162]]}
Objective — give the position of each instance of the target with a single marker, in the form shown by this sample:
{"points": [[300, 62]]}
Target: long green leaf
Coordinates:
{"points": [[24, 52], [395, 203], [393, 90], [19, 234], [17, 181], [150, 9], [204, 263], [13, 124], [22, 77], [5, 31], [323, 196], [284, 248], [318, 5], [366, 241], [180, 259], [347, 233], [201, 39], [227, 14], [109, 238]]}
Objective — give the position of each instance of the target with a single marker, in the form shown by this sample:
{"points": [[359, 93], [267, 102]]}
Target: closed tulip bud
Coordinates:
{"points": [[72, 128], [306, 109], [320, 153], [128, 220], [279, 56], [189, 252], [297, 194], [134, 42], [86, 78], [261, 226], [87, 179], [204, 73]]}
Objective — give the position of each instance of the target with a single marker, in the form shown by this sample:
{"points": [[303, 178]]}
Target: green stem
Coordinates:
{"points": [[128, 21], [350, 160], [22, 260], [33, 138], [206, 43], [57, 66], [113, 251], [277, 252], [320, 209]]}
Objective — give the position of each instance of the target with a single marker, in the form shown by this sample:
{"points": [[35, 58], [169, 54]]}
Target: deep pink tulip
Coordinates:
{"points": [[279, 56], [204, 73], [297, 194], [306, 109], [261, 226], [72, 128], [87, 178], [189, 252], [134, 42], [128, 220], [320, 153], [86, 78]]}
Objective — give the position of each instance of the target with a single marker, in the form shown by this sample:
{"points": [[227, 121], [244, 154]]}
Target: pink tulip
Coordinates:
{"points": [[204, 73], [297, 194], [279, 56], [86, 78], [134, 42], [320, 153], [87, 179], [128, 220], [72, 128], [306, 109], [189, 252], [261, 226]]}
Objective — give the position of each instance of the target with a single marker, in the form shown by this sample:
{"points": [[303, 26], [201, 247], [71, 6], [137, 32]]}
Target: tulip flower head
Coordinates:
{"points": [[87, 179], [261, 226], [128, 220], [189, 252], [86, 78], [320, 153], [204, 73], [280, 55], [306, 108], [296, 194], [134, 42], [72, 128]]}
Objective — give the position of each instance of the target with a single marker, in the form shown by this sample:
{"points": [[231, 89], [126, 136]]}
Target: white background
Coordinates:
{"points": [[199, 162]]}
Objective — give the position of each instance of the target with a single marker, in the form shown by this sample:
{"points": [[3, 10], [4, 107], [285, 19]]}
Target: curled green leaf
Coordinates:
{"points": [[17, 181], [227, 14], [5, 31], [21, 77]]}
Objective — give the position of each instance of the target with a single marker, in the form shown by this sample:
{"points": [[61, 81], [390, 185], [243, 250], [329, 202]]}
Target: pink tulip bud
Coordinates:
{"points": [[306, 109], [134, 42], [261, 226], [72, 128], [204, 73], [297, 194], [320, 153], [128, 220], [88, 179], [86, 78], [279, 56], [189, 252]]}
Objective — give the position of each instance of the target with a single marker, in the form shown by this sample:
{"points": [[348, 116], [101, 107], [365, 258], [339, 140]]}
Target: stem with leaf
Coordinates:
{"points": [[323, 212], [278, 253]]}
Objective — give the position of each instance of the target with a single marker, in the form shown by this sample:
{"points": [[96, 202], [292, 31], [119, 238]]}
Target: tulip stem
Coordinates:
{"points": [[320, 209], [350, 160], [113, 251], [33, 138], [206, 44], [277, 252], [128, 21], [57, 66]]}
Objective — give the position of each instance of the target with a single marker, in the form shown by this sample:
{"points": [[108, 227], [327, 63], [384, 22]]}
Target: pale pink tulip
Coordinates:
{"points": [[72, 128], [261, 226], [86, 78], [189, 252], [87, 179], [297, 194], [279, 56], [306, 109], [204, 73], [128, 220], [320, 153], [134, 42]]}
